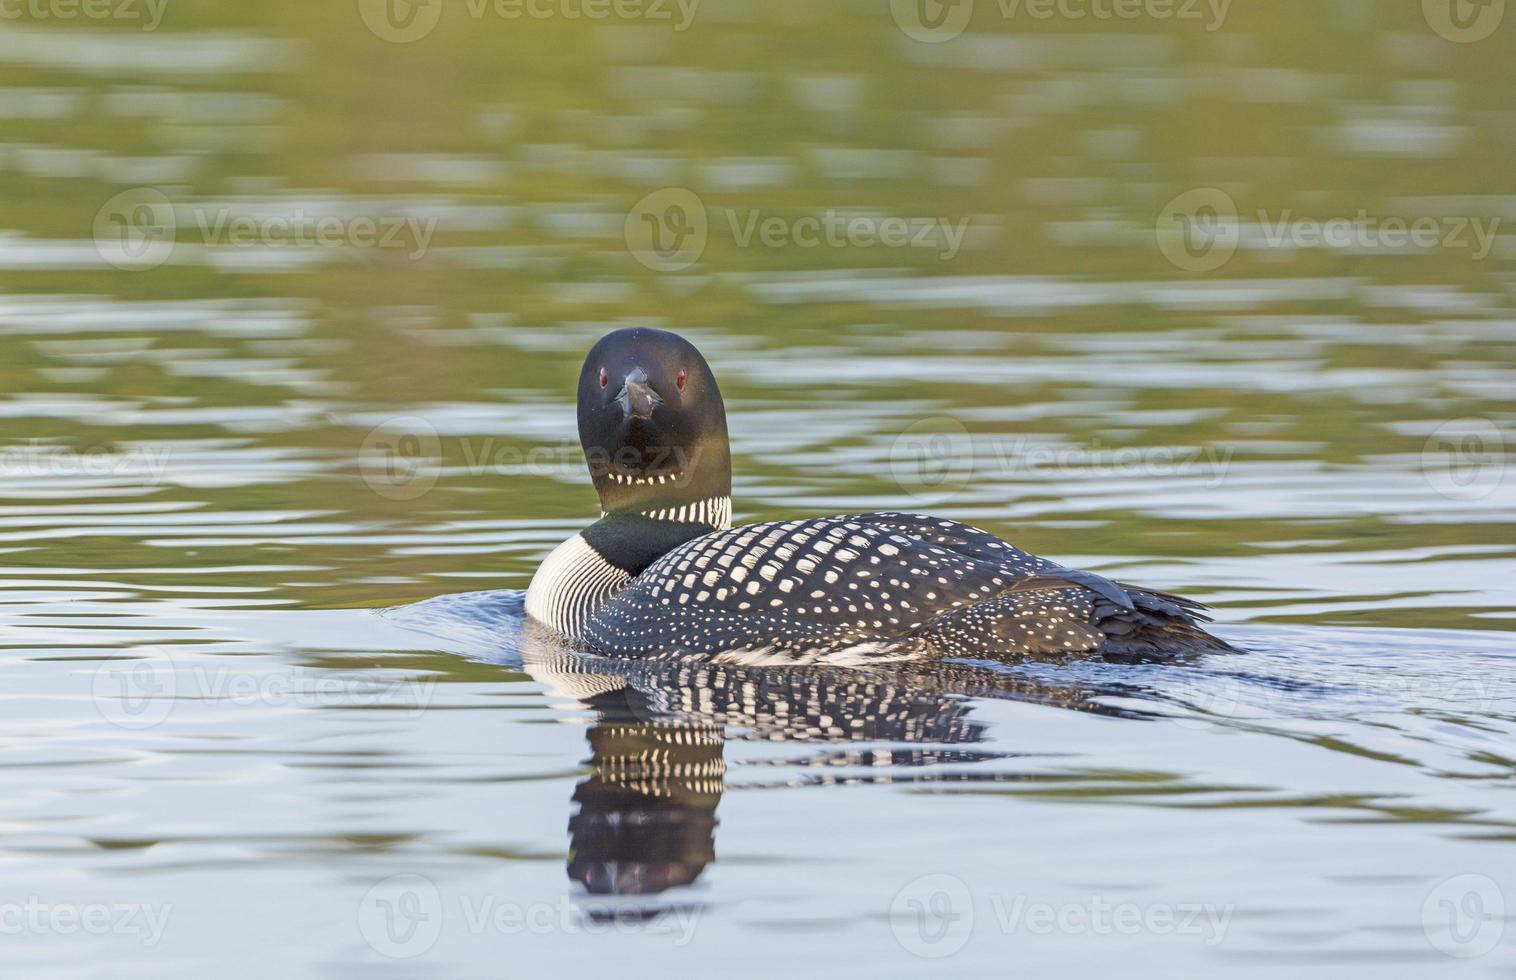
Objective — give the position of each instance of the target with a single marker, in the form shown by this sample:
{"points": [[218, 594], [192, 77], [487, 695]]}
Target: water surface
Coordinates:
{"points": [[267, 503]]}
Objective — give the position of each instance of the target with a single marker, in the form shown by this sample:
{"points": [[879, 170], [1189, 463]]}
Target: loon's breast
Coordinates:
{"points": [[572, 583]]}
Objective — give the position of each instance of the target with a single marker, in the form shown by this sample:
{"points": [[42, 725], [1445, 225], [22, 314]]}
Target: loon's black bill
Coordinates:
{"points": [[636, 399]]}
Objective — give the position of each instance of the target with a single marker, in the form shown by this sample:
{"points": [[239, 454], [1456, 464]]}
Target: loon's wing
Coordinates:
{"points": [[1057, 611], [868, 589], [970, 542], [852, 588]]}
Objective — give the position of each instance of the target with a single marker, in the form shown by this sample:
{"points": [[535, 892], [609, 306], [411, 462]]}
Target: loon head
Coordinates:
{"points": [[653, 427]]}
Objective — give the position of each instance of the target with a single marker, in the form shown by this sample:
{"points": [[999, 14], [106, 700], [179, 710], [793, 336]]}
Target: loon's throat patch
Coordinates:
{"points": [[715, 512]]}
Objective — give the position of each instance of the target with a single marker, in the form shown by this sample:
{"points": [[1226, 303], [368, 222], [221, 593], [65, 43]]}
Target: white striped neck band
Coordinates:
{"points": [[715, 512]]}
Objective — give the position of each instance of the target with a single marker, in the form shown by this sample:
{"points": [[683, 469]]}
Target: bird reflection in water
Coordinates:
{"points": [[645, 819], [646, 816]]}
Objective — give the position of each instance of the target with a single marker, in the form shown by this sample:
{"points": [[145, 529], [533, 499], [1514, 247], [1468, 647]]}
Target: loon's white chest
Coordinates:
{"points": [[571, 584]]}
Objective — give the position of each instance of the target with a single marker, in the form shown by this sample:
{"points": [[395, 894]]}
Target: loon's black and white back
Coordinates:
{"points": [[663, 574]]}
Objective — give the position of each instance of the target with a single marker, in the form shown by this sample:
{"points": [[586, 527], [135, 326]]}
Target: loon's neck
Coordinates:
{"points": [[589, 568], [631, 540]]}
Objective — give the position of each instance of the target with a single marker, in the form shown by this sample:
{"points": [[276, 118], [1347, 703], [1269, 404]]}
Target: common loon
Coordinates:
{"points": [[663, 574]]}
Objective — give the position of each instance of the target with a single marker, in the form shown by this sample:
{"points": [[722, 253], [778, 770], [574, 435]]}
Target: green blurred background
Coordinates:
{"points": [[337, 425]]}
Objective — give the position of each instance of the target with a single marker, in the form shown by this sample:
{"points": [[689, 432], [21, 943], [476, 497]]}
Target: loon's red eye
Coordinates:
{"points": [[605, 379], [679, 381]]}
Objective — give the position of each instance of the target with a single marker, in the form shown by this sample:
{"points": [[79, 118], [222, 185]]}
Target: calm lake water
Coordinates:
{"points": [[1219, 297]]}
